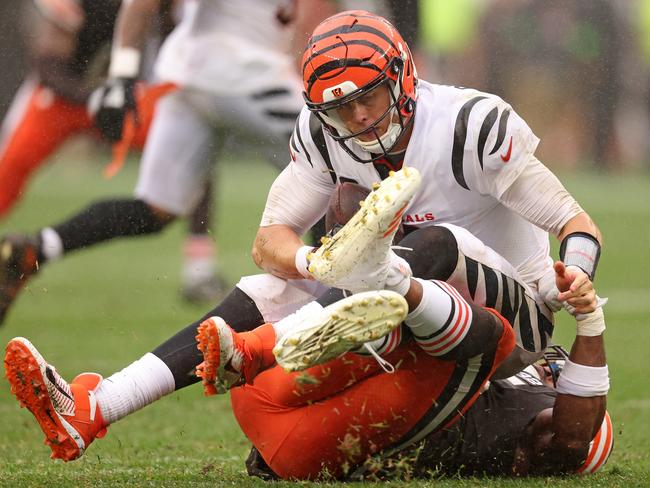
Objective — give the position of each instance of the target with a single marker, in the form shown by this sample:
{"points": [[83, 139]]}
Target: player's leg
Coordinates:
{"points": [[313, 334], [480, 275], [172, 177], [377, 412], [73, 414], [36, 125], [359, 256], [200, 280], [200, 277]]}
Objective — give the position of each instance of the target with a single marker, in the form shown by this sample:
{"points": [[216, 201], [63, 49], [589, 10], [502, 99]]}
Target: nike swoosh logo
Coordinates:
{"points": [[50, 376], [506, 157]]}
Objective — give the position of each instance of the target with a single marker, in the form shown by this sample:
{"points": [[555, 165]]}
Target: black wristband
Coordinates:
{"points": [[582, 250]]}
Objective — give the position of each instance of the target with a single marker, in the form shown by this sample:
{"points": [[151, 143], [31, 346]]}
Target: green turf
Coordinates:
{"points": [[100, 309]]}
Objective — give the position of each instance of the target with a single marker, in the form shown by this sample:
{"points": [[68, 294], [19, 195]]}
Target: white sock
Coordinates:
{"points": [[52, 246], [296, 319], [441, 320], [136, 386]]}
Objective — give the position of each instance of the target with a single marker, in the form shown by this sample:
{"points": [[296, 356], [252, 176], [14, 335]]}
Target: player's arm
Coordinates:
{"points": [[275, 250], [111, 102], [134, 24], [292, 207], [559, 439], [53, 44], [511, 173], [538, 196]]}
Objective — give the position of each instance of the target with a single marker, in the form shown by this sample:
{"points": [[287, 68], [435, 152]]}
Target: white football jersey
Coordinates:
{"points": [[227, 47], [469, 147]]}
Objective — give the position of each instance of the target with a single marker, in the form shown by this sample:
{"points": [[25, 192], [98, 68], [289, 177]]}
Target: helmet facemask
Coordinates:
{"points": [[553, 360], [383, 144]]}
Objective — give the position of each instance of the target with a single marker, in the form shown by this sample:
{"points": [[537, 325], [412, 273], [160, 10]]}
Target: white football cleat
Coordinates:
{"points": [[339, 328], [359, 257]]}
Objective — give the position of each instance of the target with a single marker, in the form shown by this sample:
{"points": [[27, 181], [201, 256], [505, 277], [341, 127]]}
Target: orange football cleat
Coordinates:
{"points": [[231, 358], [67, 413]]}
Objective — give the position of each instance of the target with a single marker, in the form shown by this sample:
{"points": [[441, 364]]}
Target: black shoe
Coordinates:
{"points": [[18, 261], [256, 466], [210, 290]]}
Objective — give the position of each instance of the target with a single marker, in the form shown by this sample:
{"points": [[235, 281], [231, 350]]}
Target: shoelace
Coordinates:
{"points": [[385, 365]]}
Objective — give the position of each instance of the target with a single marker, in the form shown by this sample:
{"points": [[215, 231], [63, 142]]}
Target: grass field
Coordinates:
{"points": [[101, 309]]}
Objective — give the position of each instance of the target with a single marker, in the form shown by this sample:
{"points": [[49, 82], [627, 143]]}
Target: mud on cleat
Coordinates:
{"points": [[339, 328], [68, 414], [358, 257], [229, 358], [18, 261]]}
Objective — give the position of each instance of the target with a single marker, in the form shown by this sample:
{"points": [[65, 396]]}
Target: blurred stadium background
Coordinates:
{"points": [[576, 70]]}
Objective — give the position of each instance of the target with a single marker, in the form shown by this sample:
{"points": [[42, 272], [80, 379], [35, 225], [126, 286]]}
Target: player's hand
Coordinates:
{"points": [[547, 289], [576, 289], [110, 103]]}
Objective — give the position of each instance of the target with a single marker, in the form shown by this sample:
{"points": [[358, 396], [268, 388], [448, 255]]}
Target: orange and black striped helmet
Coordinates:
{"points": [[348, 55]]}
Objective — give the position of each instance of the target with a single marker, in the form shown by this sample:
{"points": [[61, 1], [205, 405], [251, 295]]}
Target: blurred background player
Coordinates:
{"points": [[236, 76], [69, 54]]}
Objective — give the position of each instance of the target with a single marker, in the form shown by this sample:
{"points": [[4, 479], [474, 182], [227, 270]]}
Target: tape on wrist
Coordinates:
{"points": [[583, 381], [590, 324], [125, 62], [302, 263], [582, 250]]}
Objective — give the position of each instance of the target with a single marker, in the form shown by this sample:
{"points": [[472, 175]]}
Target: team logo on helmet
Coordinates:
{"points": [[337, 92]]}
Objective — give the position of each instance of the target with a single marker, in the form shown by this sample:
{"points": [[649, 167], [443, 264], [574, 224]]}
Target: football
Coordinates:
{"points": [[344, 203]]}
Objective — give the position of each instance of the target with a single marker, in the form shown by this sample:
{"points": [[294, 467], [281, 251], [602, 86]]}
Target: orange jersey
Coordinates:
{"points": [[333, 416], [40, 122]]}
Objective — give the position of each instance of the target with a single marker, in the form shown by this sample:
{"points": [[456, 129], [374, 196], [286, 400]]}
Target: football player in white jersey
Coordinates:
{"points": [[367, 113]]}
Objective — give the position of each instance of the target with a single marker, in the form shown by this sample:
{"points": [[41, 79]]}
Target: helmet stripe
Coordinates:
{"points": [[599, 448], [355, 28], [360, 42]]}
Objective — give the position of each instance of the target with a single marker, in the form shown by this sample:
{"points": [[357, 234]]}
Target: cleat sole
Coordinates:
{"points": [[208, 343], [340, 328], [378, 218], [214, 346]]}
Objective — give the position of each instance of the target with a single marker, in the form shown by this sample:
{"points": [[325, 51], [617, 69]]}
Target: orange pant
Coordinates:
{"points": [[355, 409], [45, 124]]}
